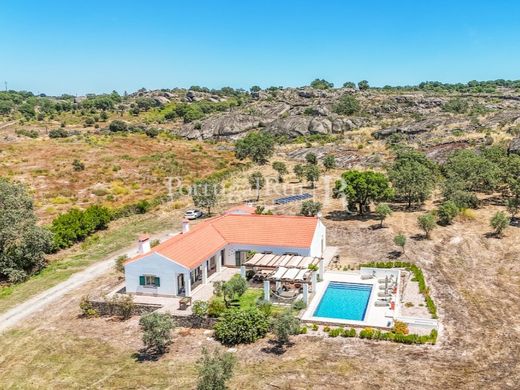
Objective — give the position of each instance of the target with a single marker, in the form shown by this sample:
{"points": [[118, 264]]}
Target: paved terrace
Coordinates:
{"points": [[203, 292]]}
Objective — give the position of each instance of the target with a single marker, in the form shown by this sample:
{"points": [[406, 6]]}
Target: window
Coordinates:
{"points": [[149, 281]]}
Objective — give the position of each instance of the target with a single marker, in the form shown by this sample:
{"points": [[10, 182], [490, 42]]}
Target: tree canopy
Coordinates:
{"points": [[412, 176], [257, 146], [23, 244], [363, 188]]}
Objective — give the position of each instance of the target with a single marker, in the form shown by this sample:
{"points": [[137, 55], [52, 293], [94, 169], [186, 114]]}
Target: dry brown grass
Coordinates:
{"points": [[475, 281], [118, 169]]}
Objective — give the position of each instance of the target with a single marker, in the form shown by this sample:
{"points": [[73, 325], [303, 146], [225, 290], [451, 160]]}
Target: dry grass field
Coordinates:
{"points": [[474, 279], [118, 169]]}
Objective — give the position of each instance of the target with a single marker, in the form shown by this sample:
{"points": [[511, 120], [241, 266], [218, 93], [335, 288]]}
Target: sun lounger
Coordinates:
{"points": [[383, 294], [365, 277], [380, 303]]}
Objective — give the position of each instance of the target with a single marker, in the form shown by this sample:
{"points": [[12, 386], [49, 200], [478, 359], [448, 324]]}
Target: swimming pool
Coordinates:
{"points": [[346, 301]]}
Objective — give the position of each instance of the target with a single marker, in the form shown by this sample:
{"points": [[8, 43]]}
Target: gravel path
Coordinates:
{"points": [[40, 301]]}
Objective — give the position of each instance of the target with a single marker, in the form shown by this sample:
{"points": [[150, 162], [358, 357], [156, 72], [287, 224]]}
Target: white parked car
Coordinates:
{"points": [[193, 214]]}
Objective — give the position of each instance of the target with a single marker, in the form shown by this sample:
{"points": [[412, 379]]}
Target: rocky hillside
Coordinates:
{"points": [[415, 115]]}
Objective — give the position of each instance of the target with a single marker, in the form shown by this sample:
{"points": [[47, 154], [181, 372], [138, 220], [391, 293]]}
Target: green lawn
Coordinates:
{"points": [[96, 248]]}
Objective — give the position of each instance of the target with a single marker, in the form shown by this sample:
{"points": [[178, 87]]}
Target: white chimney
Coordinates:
{"points": [[144, 244], [185, 226]]}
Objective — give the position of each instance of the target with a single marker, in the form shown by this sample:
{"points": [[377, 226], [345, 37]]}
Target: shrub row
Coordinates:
{"points": [[75, 225], [375, 334], [418, 276]]}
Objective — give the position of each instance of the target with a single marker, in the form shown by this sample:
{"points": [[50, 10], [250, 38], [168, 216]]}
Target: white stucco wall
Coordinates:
{"points": [[319, 233], [156, 265]]}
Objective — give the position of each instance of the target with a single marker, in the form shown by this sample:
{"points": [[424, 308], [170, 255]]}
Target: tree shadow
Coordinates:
{"points": [[394, 255], [418, 237], [403, 207], [277, 348], [342, 215], [492, 235], [145, 355]]}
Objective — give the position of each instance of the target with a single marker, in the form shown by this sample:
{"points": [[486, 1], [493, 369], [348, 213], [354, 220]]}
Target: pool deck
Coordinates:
{"points": [[377, 317]]}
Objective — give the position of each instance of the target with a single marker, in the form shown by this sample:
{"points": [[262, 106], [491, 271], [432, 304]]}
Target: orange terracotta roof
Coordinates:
{"points": [[242, 209], [206, 238]]}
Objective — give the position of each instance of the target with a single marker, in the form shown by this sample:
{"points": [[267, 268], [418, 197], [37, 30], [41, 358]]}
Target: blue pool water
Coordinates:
{"points": [[346, 301]]}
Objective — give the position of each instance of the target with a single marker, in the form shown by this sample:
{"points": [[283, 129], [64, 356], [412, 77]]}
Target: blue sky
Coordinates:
{"points": [[95, 46]]}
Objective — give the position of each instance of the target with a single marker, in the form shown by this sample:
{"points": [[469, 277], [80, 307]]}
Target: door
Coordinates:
{"points": [[240, 257], [181, 289], [222, 258]]}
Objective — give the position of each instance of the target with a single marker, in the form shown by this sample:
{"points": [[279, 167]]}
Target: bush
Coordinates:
{"points": [[500, 221], [241, 326], [310, 208], [265, 307], [347, 105], [117, 126], [120, 263], [76, 225], [303, 330], [120, 305], [258, 146], [200, 310], [349, 332], [59, 133], [335, 332], [216, 307], [326, 329], [77, 165], [315, 327], [299, 305], [447, 212], [86, 307], [400, 327], [154, 242]]}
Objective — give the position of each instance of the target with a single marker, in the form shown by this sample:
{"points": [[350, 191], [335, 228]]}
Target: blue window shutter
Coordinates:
{"points": [[141, 280], [158, 281]]}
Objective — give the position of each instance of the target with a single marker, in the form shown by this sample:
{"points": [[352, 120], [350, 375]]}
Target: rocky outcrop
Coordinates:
{"points": [[514, 146]]}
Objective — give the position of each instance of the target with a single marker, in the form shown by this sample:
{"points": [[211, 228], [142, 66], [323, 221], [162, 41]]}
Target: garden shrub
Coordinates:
{"points": [[216, 307], [349, 332], [303, 330], [241, 326], [120, 263], [335, 332], [315, 327], [87, 308], [400, 327], [326, 329], [299, 305]]}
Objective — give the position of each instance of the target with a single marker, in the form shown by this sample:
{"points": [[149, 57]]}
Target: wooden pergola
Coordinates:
{"points": [[292, 269]]}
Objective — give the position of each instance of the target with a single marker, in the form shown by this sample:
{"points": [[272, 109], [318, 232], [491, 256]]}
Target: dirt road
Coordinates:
{"points": [[31, 306]]}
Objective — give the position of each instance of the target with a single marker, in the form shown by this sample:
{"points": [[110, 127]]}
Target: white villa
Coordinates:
{"points": [[180, 264]]}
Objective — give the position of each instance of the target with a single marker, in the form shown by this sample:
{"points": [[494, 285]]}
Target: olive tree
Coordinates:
{"points": [[310, 208], [312, 173], [157, 328], [500, 221], [400, 240], [285, 325], [215, 369], [383, 211], [205, 194], [256, 182], [281, 169], [427, 223]]}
